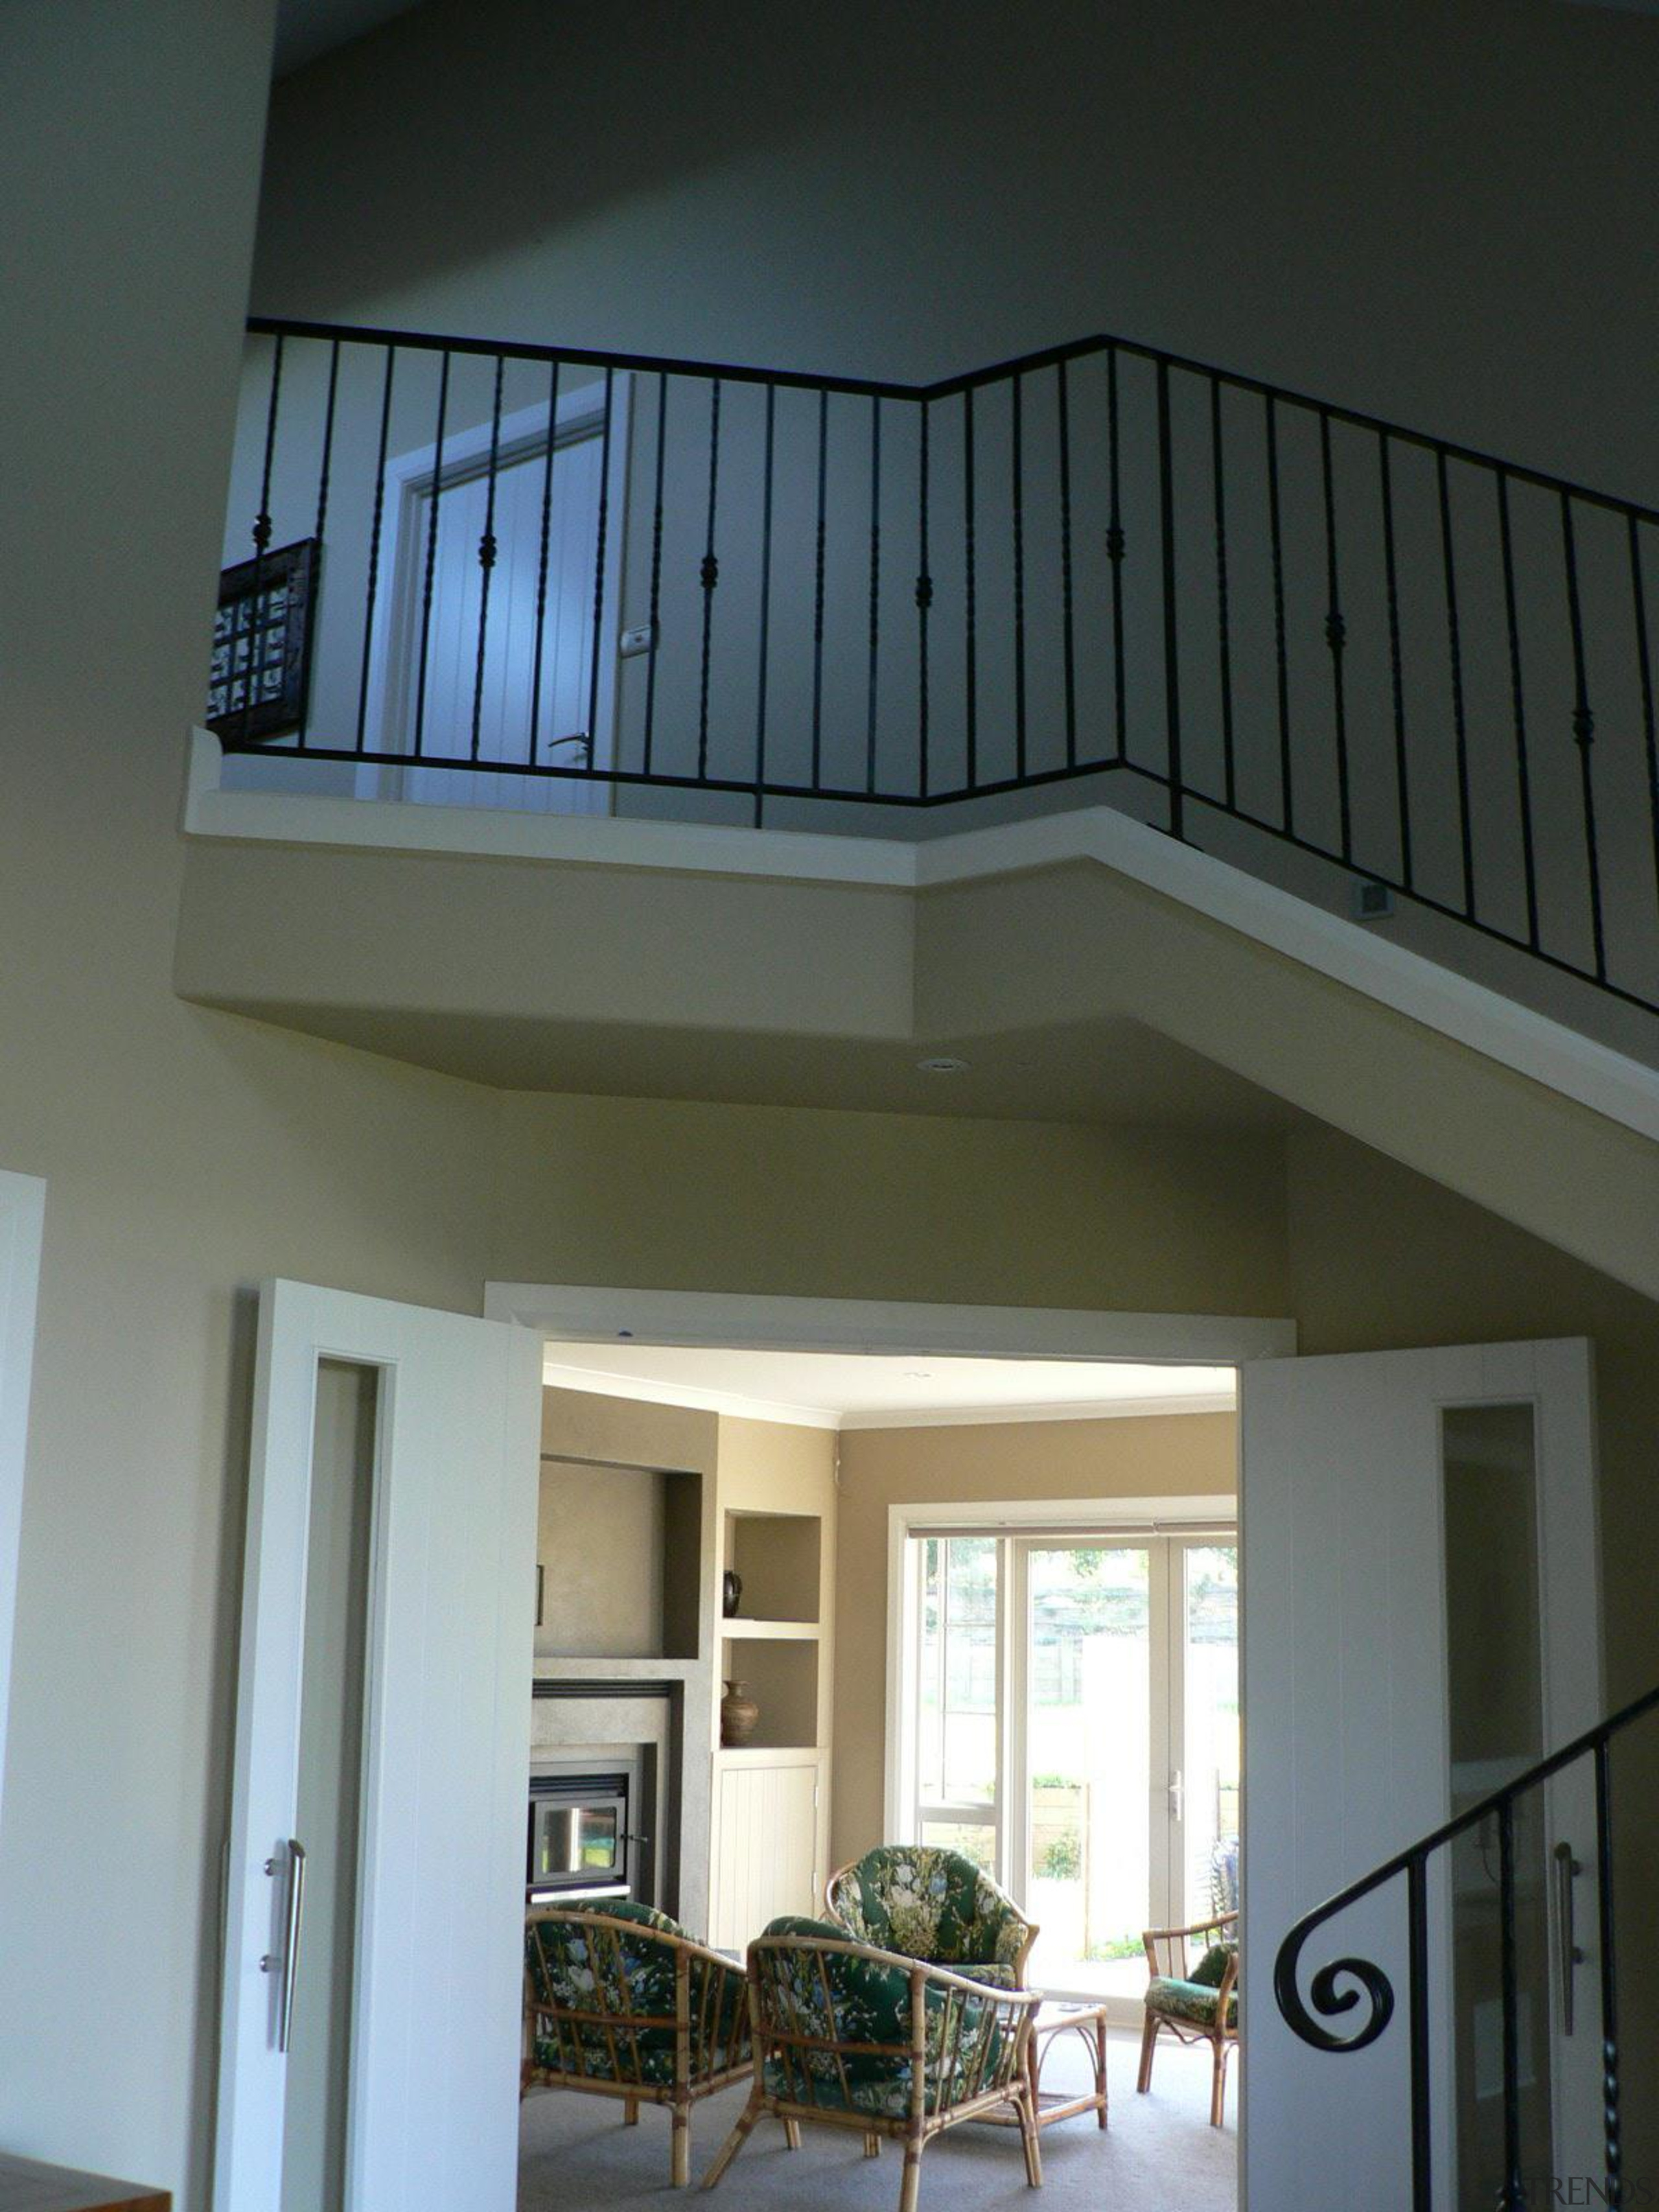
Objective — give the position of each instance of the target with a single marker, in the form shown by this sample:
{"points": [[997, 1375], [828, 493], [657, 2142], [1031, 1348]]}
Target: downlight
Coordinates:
{"points": [[942, 1063]]}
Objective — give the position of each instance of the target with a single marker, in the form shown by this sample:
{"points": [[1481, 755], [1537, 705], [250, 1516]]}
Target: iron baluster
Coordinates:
{"points": [[1218, 474], [323, 477], [596, 656], [1613, 2155], [1116, 548], [971, 700], [1513, 2196], [431, 556], [541, 561], [1417, 1937], [924, 606], [1017, 489], [765, 608], [875, 595], [1276, 534], [487, 551], [1584, 735], [374, 548], [656, 573], [1454, 649], [1518, 708], [1336, 637], [1066, 631], [261, 541], [817, 592], [710, 576], [1171, 629], [1401, 765]]}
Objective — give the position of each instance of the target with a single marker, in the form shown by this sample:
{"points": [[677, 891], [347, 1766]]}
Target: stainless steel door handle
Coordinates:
{"points": [[294, 1910], [1569, 1956]]}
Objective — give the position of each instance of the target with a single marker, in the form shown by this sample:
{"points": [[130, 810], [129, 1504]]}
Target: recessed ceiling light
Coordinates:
{"points": [[942, 1063], [917, 1374]]}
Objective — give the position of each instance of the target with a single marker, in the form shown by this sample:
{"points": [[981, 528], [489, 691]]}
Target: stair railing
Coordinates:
{"points": [[1260, 619], [1334, 1991]]}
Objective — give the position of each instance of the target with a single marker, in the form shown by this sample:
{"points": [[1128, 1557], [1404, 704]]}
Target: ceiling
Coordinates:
{"points": [[307, 28], [865, 1390]]}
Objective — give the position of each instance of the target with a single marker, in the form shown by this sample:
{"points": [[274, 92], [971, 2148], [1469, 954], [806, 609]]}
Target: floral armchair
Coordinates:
{"points": [[885, 2044], [1197, 2000], [935, 1906], [620, 2001]]}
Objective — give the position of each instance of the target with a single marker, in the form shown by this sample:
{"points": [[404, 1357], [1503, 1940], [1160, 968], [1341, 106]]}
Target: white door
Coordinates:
{"points": [[370, 2042], [1422, 1621]]}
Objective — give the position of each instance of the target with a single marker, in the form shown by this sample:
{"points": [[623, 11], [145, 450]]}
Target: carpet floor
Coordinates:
{"points": [[1158, 2150]]}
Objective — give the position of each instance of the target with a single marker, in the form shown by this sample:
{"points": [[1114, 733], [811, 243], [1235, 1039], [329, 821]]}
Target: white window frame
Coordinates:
{"points": [[1168, 1525]]}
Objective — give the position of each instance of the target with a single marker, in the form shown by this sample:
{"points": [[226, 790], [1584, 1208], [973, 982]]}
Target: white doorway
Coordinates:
{"points": [[531, 675]]}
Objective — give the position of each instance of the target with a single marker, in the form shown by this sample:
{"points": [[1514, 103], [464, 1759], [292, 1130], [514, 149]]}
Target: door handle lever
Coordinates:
{"points": [[1568, 1953], [288, 1963]]}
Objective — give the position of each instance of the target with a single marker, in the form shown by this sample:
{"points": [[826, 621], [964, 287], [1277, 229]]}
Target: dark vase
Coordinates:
{"points": [[731, 1592]]}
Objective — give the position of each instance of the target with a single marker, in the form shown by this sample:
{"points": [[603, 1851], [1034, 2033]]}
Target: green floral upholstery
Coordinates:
{"points": [[1210, 1968], [849, 2000], [932, 1904], [1194, 2003], [611, 1993]]}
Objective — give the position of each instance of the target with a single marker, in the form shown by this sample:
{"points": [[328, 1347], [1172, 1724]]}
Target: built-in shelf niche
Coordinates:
{"points": [[781, 1675], [617, 1547], [778, 1557]]}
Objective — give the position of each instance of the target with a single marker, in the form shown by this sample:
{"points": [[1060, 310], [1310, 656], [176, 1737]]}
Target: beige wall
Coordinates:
{"points": [[1345, 199], [1186, 1455], [680, 1195]]}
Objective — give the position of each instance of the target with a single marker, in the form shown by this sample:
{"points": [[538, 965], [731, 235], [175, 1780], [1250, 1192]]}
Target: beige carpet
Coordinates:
{"points": [[1159, 2151]]}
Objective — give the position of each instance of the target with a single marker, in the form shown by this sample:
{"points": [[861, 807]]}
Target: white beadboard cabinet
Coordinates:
{"points": [[770, 1831]]}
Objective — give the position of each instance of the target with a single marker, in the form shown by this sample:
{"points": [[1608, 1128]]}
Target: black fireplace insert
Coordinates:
{"points": [[580, 1846]]}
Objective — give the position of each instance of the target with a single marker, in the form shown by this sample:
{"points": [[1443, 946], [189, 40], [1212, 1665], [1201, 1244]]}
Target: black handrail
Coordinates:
{"points": [[945, 387], [1289, 622], [1326, 1998]]}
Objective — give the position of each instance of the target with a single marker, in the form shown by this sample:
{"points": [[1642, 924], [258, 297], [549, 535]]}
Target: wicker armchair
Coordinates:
{"points": [[936, 1906], [866, 2039], [620, 2001], [1197, 2002]]}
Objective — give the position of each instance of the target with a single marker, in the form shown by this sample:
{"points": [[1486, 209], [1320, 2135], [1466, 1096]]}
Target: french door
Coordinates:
{"points": [[1078, 1734]]}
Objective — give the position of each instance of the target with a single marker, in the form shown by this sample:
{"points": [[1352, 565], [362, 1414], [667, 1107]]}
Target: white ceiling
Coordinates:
{"points": [[860, 1390], [305, 28]]}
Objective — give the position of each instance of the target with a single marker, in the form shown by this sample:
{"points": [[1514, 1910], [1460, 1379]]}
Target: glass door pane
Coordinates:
{"points": [[1088, 1745], [959, 1733], [1206, 1756]]}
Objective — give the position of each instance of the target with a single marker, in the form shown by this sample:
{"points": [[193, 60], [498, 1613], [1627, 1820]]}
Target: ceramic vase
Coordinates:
{"points": [[739, 1715]]}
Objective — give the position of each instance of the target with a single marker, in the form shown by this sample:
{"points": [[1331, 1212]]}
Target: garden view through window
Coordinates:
{"points": [[1076, 1732]]}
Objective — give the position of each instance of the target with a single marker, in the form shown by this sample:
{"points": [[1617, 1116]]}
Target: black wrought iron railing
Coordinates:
{"points": [[585, 578], [1335, 1990]]}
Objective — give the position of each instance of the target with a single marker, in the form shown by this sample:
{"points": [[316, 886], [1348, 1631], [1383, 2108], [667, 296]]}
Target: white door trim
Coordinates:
{"points": [[588, 1313], [22, 1220]]}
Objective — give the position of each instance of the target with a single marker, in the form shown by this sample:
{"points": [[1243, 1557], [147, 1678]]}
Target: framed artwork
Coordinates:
{"points": [[261, 663]]}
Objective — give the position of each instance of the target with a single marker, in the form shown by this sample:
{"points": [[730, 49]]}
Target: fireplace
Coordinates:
{"points": [[583, 1847]]}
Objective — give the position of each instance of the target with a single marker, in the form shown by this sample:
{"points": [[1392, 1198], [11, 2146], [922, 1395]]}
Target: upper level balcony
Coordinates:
{"points": [[1410, 683]]}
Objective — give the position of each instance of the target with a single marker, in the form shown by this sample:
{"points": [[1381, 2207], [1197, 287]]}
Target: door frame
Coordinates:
{"points": [[521, 433], [22, 1228]]}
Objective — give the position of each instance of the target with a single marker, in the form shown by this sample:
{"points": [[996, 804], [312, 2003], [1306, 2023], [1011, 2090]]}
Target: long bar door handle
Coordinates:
{"points": [[1569, 1955], [292, 1916]]}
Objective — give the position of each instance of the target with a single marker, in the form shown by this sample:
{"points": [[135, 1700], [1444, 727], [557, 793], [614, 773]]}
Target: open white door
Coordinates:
{"points": [[1422, 1621], [370, 2050]]}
